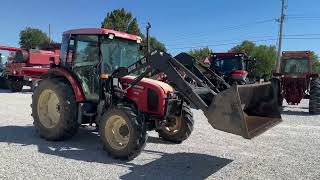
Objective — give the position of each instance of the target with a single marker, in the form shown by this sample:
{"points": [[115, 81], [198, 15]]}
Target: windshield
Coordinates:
{"points": [[228, 64], [118, 53], [296, 65]]}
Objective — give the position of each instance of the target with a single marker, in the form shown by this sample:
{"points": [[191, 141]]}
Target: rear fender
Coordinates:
{"points": [[76, 86]]}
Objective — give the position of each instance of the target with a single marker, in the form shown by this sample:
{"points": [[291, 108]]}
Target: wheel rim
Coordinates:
{"points": [[48, 108], [174, 127], [117, 132]]}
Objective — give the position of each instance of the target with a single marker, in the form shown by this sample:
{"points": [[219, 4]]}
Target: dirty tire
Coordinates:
{"points": [[185, 129], [314, 102], [66, 125], [15, 86], [136, 131]]}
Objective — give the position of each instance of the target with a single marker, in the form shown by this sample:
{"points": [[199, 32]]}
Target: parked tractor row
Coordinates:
{"points": [[99, 77]]}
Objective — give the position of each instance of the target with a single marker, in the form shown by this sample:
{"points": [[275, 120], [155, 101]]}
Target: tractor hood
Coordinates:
{"points": [[164, 86]]}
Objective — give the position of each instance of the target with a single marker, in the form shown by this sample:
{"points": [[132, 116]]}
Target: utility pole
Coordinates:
{"points": [[281, 21], [49, 33], [148, 37]]}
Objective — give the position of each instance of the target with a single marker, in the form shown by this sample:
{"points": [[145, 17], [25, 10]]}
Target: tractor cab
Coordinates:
{"points": [[296, 63], [232, 66], [94, 53]]}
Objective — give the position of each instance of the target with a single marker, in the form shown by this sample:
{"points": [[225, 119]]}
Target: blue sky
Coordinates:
{"points": [[181, 25]]}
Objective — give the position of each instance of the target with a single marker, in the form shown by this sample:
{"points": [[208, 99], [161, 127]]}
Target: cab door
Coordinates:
{"points": [[85, 60]]}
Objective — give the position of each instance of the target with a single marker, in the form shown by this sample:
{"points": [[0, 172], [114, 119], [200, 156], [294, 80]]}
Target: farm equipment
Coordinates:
{"points": [[25, 66], [233, 67], [101, 79], [297, 81]]}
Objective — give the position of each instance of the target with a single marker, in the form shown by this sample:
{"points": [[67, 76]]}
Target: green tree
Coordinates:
{"points": [[200, 54], [265, 57], [121, 20], [33, 38], [316, 62]]}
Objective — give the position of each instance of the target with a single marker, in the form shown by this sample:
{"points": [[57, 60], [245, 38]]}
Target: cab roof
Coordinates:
{"points": [[98, 31]]}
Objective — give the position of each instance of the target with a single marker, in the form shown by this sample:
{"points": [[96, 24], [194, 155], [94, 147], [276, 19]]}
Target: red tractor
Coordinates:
{"points": [[24, 67], [297, 81], [233, 67], [100, 79]]}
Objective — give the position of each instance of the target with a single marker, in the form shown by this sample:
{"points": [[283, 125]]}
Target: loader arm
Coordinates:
{"points": [[246, 111]]}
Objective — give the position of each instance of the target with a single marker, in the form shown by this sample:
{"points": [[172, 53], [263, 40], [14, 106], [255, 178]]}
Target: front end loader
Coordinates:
{"points": [[100, 79]]}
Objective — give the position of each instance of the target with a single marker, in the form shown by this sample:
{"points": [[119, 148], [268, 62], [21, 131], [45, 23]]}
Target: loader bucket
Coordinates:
{"points": [[245, 110]]}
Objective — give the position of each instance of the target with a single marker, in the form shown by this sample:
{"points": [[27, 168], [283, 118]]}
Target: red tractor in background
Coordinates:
{"points": [[296, 80], [24, 67], [233, 67]]}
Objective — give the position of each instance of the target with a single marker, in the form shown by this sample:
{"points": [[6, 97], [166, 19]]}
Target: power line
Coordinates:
{"points": [[241, 26], [225, 40], [223, 44], [253, 39]]}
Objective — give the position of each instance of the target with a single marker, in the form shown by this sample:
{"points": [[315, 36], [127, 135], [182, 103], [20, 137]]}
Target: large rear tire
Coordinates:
{"points": [[181, 129], [123, 134], [314, 101], [54, 110]]}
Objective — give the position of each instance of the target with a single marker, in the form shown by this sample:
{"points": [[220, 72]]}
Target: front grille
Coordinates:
{"points": [[152, 100]]}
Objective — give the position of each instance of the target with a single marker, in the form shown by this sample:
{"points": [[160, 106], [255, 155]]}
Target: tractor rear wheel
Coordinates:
{"points": [[180, 129], [314, 101], [54, 110], [277, 89], [15, 86], [122, 133]]}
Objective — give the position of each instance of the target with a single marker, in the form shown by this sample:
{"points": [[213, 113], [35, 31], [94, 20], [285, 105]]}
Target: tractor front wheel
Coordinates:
{"points": [[122, 133], [54, 110], [179, 129], [314, 101]]}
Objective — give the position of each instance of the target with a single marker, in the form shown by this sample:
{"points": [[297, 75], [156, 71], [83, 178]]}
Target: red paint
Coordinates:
{"points": [[76, 86], [139, 95], [239, 73], [102, 31]]}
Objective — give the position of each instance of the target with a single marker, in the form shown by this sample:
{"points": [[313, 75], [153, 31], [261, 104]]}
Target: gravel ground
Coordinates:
{"points": [[288, 151]]}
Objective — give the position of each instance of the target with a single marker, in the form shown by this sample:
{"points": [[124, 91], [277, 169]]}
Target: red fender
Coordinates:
{"points": [[76, 86]]}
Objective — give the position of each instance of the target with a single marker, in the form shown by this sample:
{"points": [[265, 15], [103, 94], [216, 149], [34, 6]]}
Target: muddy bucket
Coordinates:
{"points": [[245, 110]]}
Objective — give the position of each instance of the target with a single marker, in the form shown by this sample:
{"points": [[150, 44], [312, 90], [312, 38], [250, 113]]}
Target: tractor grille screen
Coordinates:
{"points": [[152, 100]]}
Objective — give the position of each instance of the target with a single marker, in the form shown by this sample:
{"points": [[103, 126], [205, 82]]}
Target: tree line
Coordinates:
{"points": [[124, 21]]}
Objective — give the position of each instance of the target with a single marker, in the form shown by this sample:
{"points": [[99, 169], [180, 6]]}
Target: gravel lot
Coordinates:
{"points": [[288, 151]]}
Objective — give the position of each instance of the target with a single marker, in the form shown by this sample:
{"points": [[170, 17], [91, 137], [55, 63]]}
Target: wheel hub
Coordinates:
{"points": [[117, 132], [48, 108]]}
